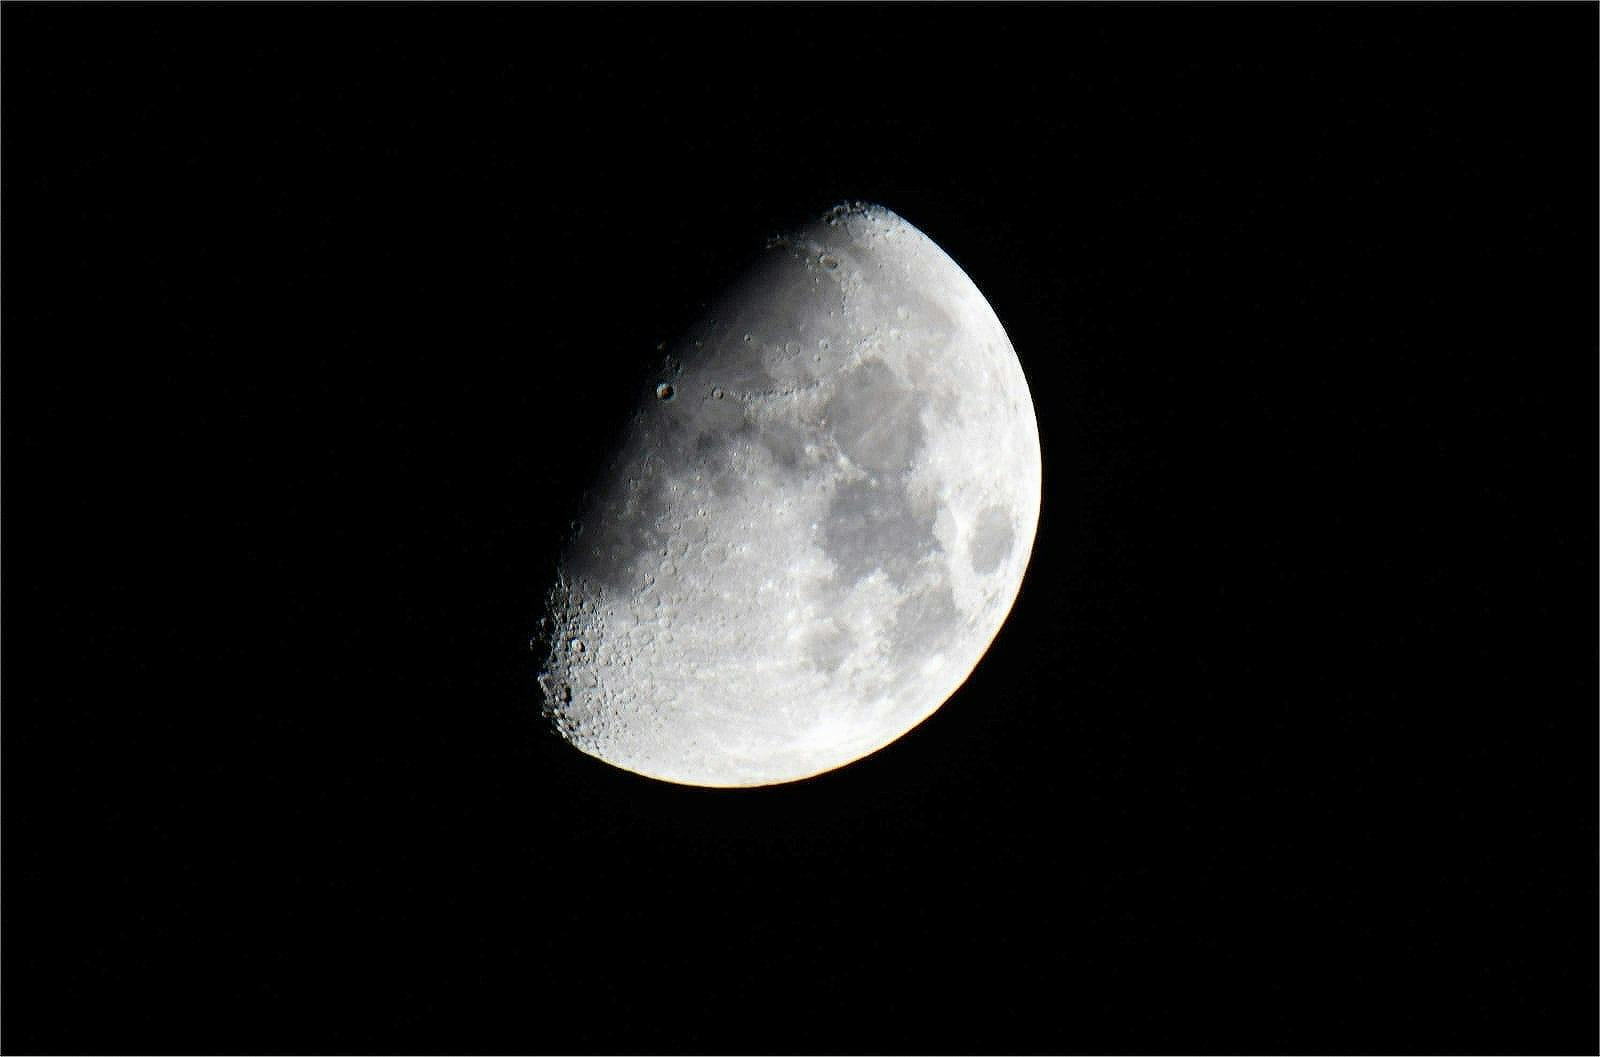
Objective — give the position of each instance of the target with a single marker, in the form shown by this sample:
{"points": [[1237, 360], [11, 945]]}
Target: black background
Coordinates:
{"points": [[316, 321]]}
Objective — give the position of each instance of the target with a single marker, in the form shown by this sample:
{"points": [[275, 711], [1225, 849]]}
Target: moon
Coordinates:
{"points": [[816, 523]]}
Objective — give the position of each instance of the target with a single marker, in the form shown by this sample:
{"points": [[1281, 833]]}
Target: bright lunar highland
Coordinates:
{"points": [[816, 524]]}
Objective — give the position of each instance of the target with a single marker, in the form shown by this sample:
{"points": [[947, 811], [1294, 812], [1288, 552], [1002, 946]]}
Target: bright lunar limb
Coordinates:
{"points": [[815, 526]]}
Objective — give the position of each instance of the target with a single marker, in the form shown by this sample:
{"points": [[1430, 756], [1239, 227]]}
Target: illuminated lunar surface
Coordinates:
{"points": [[815, 526]]}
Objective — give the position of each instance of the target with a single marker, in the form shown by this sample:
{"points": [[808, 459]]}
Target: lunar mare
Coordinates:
{"points": [[815, 526]]}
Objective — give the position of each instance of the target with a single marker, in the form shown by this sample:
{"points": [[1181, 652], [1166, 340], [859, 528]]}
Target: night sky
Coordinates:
{"points": [[318, 321]]}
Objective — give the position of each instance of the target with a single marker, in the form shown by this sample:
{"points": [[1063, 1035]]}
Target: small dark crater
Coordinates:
{"points": [[665, 391]]}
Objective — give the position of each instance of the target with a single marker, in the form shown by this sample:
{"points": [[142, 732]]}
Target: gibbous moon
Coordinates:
{"points": [[816, 524]]}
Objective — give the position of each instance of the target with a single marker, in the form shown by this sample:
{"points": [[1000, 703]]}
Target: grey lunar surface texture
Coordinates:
{"points": [[816, 524]]}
